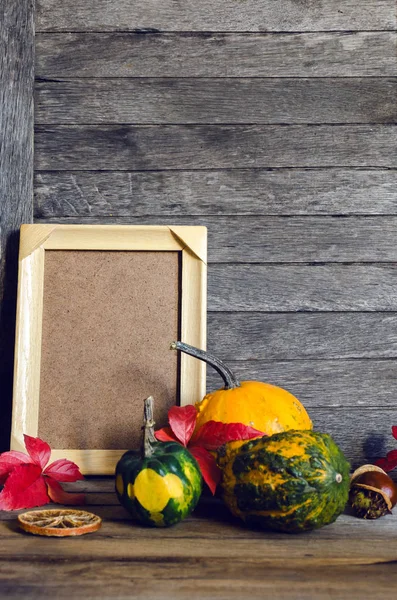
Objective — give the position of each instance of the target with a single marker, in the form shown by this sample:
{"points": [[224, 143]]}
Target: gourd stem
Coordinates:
{"points": [[148, 428], [227, 375]]}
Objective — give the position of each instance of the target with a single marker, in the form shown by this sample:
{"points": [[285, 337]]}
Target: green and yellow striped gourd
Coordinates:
{"points": [[160, 484], [291, 481]]}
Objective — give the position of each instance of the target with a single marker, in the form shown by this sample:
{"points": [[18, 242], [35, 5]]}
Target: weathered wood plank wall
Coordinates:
{"points": [[16, 174], [274, 124]]}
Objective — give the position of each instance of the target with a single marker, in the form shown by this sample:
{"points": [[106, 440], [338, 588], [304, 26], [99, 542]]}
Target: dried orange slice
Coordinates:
{"points": [[59, 522]]}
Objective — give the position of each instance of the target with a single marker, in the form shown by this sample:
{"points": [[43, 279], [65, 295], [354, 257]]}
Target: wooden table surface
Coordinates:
{"points": [[209, 555]]}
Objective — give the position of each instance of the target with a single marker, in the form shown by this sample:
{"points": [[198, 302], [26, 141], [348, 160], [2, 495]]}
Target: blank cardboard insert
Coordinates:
{"points": [[108, 320]]}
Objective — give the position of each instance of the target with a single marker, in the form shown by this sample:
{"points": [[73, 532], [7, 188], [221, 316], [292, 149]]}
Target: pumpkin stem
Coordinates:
{"points": [[227, 375], [148, 428]]}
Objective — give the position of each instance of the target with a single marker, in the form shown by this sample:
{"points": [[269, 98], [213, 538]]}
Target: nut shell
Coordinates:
{"points": [[372, 492], [378, 481], [366, 469]]}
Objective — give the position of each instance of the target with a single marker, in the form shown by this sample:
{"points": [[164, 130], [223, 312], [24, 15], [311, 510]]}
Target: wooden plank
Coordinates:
{"points": [[129, 148], [209, 518], [16, 174], [199, 100], [345, 559], [217, 578], [118, 577], [343, 536], [265, 239], [216, 55], [297, 287], [293, 336], [268, 15], [351, 384], [91, 485], [209, 512], [122, 540], [230, 192]]}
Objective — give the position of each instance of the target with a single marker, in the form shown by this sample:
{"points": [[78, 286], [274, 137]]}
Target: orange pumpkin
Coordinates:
{"points": [[265, 407]]}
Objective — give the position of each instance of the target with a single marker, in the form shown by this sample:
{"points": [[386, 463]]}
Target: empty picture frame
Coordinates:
{"points": [[98, 307]]}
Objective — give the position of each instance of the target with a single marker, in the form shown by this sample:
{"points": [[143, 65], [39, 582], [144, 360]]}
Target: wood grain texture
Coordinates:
{"points": [[268, 239], [258, 192], [216, 55], [209, 555], [25, 408], [350, 384], [199, 100], [302, 288], [125, 147], [293, 336], [268, 15], [16, 174]]}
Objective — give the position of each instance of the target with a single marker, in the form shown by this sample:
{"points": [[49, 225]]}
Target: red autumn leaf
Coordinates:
{"points": [[38, 450], [211, 435], [389, 463], [58, 494], [8, 462], [165, 435], [25, 484], [182, 420], [63, 470], [25, 488], [392, 456], [214, 433], [209, 469], [385, 464]]}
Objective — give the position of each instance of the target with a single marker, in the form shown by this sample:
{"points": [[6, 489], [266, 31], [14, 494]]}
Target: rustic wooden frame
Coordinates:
{"points": [[35, 240]]}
